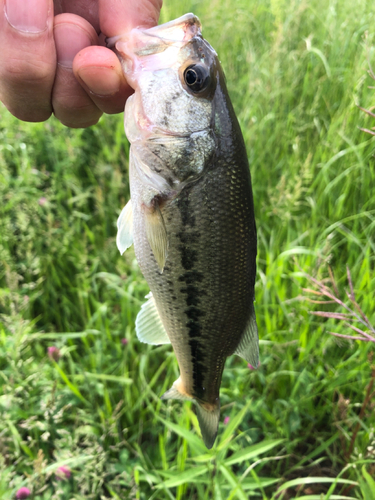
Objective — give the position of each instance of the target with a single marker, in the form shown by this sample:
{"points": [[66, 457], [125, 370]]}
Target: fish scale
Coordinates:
{"points": [[191, 214]]}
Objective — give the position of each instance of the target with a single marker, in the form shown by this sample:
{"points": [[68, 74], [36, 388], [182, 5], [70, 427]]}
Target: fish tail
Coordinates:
{"points": [[208, 418], [208, 414]]}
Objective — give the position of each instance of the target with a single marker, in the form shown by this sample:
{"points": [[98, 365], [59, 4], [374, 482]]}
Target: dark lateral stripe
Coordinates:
{"points": [[195, 329], [192, 295], [187, 217], [189, 257], [191, 277], [199, 367], [194, 313], [189, 237]]}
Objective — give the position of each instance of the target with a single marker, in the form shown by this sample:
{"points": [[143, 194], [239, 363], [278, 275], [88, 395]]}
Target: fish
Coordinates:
{"points": [[191, 214]]}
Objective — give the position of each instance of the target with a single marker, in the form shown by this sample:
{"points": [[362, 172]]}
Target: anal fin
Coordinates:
{"points": [[177, 391], [248, 348], [149, 326]]}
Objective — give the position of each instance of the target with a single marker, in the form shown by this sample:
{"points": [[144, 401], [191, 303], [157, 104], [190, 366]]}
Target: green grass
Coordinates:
{"points": [[296, 71]]}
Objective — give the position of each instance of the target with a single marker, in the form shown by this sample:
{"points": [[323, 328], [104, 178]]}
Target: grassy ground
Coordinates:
{"points": [[300, 426]]}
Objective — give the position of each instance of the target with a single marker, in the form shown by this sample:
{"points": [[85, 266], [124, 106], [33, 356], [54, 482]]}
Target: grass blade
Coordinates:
{"points": [[370, 481], [71, 386], [233, 424], [109, 378], [253, 451], [182, 477], [194, 441], [314, 480]]}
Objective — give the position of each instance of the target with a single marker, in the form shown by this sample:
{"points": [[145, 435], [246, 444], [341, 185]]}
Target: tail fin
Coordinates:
{"points": [[208, 415], [208, 422]]}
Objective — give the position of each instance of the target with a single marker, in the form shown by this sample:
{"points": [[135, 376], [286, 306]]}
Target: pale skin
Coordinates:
{"points": [[53, 57]]}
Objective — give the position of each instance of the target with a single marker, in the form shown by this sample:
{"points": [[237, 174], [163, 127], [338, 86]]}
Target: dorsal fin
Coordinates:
{"points": [[148, 325]]}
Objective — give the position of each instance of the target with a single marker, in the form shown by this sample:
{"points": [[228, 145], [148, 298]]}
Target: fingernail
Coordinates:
{"points": [[69, 40], [100, 80], [29, 16]]}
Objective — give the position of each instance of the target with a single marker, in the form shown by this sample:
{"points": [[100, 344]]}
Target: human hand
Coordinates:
{"points": [[53, 58]]}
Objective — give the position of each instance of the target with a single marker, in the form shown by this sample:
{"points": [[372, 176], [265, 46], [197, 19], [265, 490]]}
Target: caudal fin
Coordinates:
{"points": [[208, 422], [208, 415]]}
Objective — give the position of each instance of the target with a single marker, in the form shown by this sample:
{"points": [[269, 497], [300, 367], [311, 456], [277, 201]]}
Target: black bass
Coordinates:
{"points": [[191, 214]]}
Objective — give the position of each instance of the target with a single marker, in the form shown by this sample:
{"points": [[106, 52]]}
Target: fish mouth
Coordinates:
{"points": [[180, 30], [136, 50]]}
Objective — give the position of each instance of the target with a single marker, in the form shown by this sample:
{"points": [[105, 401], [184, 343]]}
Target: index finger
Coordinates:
{"points": [[98, 68], [117, 17]]}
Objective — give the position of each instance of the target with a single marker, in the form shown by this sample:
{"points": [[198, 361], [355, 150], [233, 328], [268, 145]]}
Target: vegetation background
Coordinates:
{"points": [[302, 425]]}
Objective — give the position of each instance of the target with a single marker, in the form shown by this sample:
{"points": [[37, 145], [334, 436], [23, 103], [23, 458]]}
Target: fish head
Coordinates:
{"points": [[172, 70], [174, 73]]}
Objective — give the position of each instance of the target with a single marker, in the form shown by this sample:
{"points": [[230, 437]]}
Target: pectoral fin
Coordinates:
{"points": [[156, 234], [124, 237], [148, 325], [139, 158], [248, 348]]}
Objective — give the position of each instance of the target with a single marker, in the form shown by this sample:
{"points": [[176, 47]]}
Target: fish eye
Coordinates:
{"points": [[196, 77]]}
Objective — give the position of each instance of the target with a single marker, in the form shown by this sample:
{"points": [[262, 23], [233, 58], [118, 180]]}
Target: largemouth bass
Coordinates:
{"points": [[191, 214]]}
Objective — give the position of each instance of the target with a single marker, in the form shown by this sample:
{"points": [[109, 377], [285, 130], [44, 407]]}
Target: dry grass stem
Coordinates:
{"points": [[354, 312]]}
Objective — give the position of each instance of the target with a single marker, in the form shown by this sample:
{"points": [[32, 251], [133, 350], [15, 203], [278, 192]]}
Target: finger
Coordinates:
{"points": [[27, 58], [99, 71], [71, 103], [88, 9], [117, 17]]}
